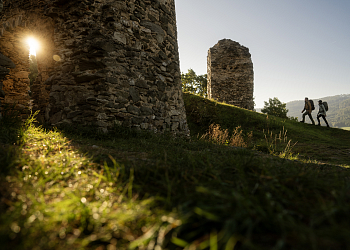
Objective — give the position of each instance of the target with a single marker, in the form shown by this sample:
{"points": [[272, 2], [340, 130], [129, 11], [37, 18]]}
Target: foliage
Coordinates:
{"points": [[275, 107], [294, 119], [194, 84], [277, 144], [216, 135], [78, 189], [33, 68]]}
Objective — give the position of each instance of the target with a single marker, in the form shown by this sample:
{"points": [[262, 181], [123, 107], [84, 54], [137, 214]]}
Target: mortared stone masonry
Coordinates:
{"points": [[230, 74], [100, 62]]}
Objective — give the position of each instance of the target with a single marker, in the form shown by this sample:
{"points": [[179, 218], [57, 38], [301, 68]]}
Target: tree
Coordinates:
{"points": [[194, 84], [276, 108]]}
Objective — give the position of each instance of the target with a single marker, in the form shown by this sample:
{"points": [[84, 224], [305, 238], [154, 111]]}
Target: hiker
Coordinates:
{"points": [[321, 113], [308, 110]]}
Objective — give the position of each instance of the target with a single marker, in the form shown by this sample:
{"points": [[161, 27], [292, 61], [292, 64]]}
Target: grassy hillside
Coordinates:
{"points": [[339, 110], [72, 188], [313, 142]]}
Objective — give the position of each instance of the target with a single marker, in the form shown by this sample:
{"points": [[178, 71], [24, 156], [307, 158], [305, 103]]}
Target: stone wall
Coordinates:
{"points": [[13, 44], [100, 62], [5, 65], [230, 74]]}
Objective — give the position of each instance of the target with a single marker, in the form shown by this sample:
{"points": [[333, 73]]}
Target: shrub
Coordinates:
{"points": [[218, 136]]}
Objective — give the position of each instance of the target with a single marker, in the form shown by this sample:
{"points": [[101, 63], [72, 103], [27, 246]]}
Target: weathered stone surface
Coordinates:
{"points": [[230, 74], [3, 72], [6, 62], [100, 62]]}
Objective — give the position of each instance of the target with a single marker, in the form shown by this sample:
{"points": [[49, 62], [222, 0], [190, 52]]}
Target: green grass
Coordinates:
{"points": [[73, 188], [313, 142]]}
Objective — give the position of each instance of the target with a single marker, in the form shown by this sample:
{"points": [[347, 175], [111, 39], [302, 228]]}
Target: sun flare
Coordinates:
{"points": [[33, 46]]}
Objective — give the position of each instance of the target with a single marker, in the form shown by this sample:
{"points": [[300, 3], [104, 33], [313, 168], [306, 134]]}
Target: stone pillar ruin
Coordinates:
{"points": [[100, 62], [230, 74]]}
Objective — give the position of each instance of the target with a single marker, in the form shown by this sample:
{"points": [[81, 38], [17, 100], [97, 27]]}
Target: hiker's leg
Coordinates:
{"points": [[304, 114], [318, 119], [325, 120], [312, 120]]}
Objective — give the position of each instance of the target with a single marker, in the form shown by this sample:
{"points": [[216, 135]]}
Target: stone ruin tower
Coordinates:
{"points": [[100, 62], [230, 74]]}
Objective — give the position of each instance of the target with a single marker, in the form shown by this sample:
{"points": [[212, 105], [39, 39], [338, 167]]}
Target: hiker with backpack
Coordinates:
{"points": [[309, 106], [323, 107]]}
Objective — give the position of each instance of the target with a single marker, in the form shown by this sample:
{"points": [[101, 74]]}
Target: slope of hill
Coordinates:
{"points": [[73, 188], [311, 139], [338, 114]]}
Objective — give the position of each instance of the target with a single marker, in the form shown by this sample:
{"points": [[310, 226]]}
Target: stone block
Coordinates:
{"points": [[175, 126], [146, 111], [135, 95], [120, 37], [174, 112], [133, 110], [142, 84], [22, 74], [6, 62], [56, 117], [73, 114]]}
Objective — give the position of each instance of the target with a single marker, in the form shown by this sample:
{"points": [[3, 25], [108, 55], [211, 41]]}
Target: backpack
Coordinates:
{"points": [[312, 104], [325, 104]]}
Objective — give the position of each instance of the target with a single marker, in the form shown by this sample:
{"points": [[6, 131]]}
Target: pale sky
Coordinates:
{"points": [[299, 48]]}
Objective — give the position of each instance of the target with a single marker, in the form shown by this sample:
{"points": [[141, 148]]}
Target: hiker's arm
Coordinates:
{"points": [[324, 110]]}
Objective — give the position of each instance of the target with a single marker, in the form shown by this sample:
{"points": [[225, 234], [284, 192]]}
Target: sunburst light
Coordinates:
{"points": [[33, 46]]}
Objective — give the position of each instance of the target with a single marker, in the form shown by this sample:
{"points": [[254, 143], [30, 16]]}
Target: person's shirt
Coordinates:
{"points": [[308, 107], [322, 109]]}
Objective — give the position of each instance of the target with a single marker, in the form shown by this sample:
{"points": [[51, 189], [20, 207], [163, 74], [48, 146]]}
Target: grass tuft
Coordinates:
{"points": [[218, 136]]}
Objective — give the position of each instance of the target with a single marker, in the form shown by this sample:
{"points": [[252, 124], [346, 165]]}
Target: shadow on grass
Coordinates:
{"points": [[11, 138], [223, 195], [11, 135], [226, 195]]}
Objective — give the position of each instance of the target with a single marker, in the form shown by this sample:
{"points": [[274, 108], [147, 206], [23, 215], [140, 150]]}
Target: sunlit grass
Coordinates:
{"points": [[60, 191], [73, 188]]}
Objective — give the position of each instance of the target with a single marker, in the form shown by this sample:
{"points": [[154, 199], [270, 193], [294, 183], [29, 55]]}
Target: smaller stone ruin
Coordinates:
{"points": [[230, 74]]}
